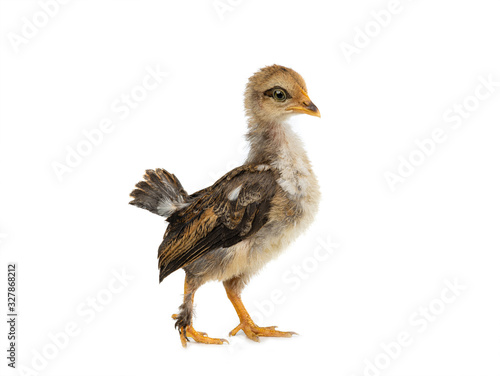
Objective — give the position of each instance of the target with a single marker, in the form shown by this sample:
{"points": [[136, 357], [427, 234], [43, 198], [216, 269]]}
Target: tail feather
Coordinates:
{"points": [[160, 192]]}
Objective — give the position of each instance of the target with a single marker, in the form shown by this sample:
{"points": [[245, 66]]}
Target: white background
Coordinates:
{"points": [[396, 248]]}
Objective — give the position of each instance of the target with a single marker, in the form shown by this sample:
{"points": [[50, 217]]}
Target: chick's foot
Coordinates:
{"points": [[253, 331], [201, 337]]}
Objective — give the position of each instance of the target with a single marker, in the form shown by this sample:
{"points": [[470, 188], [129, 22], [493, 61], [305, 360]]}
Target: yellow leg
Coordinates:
{"points": [[251, 330], [188, 330]]}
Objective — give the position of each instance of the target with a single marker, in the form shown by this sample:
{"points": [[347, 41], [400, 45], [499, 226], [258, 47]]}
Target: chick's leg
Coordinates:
{"points": [[185, 317], [233, 290]]}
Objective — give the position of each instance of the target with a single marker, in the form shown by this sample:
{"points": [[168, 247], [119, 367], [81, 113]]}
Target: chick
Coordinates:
{"points": [[230, 230]]}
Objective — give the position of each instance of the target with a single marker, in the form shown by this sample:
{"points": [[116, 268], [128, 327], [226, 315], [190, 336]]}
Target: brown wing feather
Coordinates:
{"points": [[214, 221]]}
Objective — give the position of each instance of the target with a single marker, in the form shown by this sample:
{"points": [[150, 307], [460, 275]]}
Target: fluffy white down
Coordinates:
{"points": [[168, 207], [233, 195]]}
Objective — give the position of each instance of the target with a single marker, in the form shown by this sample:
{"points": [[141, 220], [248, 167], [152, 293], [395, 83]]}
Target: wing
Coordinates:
{"points": [[226, 213]]}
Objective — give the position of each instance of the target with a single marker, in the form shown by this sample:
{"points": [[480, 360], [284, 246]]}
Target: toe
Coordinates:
{"points": [[201, 337], [252, 336], [235, 330], [253, 331], [274, 333]]}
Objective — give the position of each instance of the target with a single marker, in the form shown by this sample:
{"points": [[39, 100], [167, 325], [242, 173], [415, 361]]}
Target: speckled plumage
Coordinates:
{"points": [[229, 231]]}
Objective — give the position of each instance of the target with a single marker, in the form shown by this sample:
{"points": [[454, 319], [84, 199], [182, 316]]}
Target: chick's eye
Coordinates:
{"points": [[279, 95]]}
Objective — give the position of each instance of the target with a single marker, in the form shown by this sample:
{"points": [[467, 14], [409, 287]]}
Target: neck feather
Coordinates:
{"points": [[276, 144]]}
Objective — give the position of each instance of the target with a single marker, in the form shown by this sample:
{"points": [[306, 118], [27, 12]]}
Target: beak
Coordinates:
{"points": [[307, 107]]}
